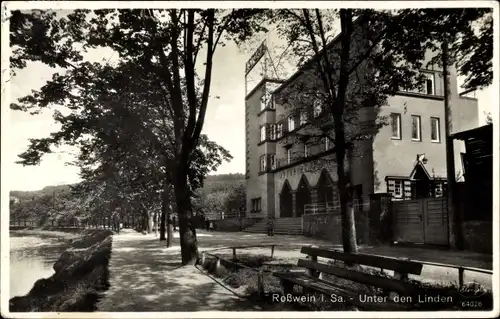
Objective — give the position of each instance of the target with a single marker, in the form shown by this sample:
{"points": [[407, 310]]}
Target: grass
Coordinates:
{"points": [[81, 276], [471, 296]]}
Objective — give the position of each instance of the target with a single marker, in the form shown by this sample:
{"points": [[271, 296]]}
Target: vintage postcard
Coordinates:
{"points": [[227, 159]]}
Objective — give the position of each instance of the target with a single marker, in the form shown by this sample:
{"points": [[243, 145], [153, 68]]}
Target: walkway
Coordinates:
{"points": [[147, 276]]}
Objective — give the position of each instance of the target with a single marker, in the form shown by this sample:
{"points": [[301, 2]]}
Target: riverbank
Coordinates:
{"points": [[81, 276]]}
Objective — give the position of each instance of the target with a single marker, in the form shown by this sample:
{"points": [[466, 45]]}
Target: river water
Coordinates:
{"points": [[32, 256]]}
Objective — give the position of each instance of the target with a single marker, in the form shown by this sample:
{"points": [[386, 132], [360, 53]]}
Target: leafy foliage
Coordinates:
{"points": [[138, 120]]}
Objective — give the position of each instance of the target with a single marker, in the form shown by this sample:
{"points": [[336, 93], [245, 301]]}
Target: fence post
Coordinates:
{"points": [[217, 264], [460, 277], [272, 251], [302, 224], [260, 284], [234, 253]]}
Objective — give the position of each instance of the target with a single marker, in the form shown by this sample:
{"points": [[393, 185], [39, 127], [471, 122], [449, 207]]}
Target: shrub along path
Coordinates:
{"points": [[146, 276]]}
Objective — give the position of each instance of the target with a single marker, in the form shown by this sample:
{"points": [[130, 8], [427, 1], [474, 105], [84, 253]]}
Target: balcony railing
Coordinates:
{"points": [[330, 207]]}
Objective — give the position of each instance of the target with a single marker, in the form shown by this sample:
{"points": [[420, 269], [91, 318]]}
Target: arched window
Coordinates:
{"points": [[286, 199], [327, 190]]}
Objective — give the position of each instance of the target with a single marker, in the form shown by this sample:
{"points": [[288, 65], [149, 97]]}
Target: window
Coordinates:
{"points": [[415, 128], [398, 188], [396, 125], [317, 108], [279, 130], [429, 84], [272, 129], [438, 190], [270, 102], [262, 133], [306, 150], [263, 102], [263, 163], [272, 161], [303, 117], [256, 204], [395, 188], [463, 157], [435, 134], [289, 155], [291, 123]]}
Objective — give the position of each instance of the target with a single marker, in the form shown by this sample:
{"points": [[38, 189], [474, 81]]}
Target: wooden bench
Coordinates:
{"points": [[395, 288]]}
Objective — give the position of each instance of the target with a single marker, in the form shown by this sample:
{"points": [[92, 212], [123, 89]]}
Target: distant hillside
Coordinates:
{"points": [[215, 183], [47, 190]]}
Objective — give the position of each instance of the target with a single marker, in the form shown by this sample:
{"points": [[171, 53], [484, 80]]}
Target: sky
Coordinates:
{"points": [[224, 123]]}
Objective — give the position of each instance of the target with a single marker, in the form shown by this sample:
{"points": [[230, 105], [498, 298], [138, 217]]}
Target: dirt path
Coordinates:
{"points": [[147, 276]]}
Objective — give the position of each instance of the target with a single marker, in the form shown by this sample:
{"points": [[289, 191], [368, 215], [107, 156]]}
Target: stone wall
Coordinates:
{"points": [[329, 227], [233, 224], [478, 236], [323, 226]]}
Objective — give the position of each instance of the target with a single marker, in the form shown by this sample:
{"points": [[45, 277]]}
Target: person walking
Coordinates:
{"points": [[270, 226]]}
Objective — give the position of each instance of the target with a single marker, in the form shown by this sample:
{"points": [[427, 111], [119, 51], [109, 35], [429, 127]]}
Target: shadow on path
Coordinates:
{"points": [[147, 276]]}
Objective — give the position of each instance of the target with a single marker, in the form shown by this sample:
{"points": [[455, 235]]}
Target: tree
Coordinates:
{"points": [[489, 118], [374, 56], [162, 47]]}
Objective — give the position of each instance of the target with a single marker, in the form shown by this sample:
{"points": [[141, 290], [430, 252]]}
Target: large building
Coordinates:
{"points": [[405, 157]]}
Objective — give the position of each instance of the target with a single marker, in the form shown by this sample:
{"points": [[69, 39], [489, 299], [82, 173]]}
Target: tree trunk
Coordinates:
{"points": [[149, 222], [155, 223], [455, 233], [346, 208], [187, 232], [162, 220], [345, 193], [169, 227]]}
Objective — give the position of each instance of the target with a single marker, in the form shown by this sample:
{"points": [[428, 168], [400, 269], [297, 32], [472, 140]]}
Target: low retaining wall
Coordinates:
{"points": [[234, 224], [478, 236]]}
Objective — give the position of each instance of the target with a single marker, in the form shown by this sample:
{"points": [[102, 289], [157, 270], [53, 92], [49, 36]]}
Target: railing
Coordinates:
{"points": [[223, 215], [461, 269], [220, 260], [321, 208], [330, 207]]}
